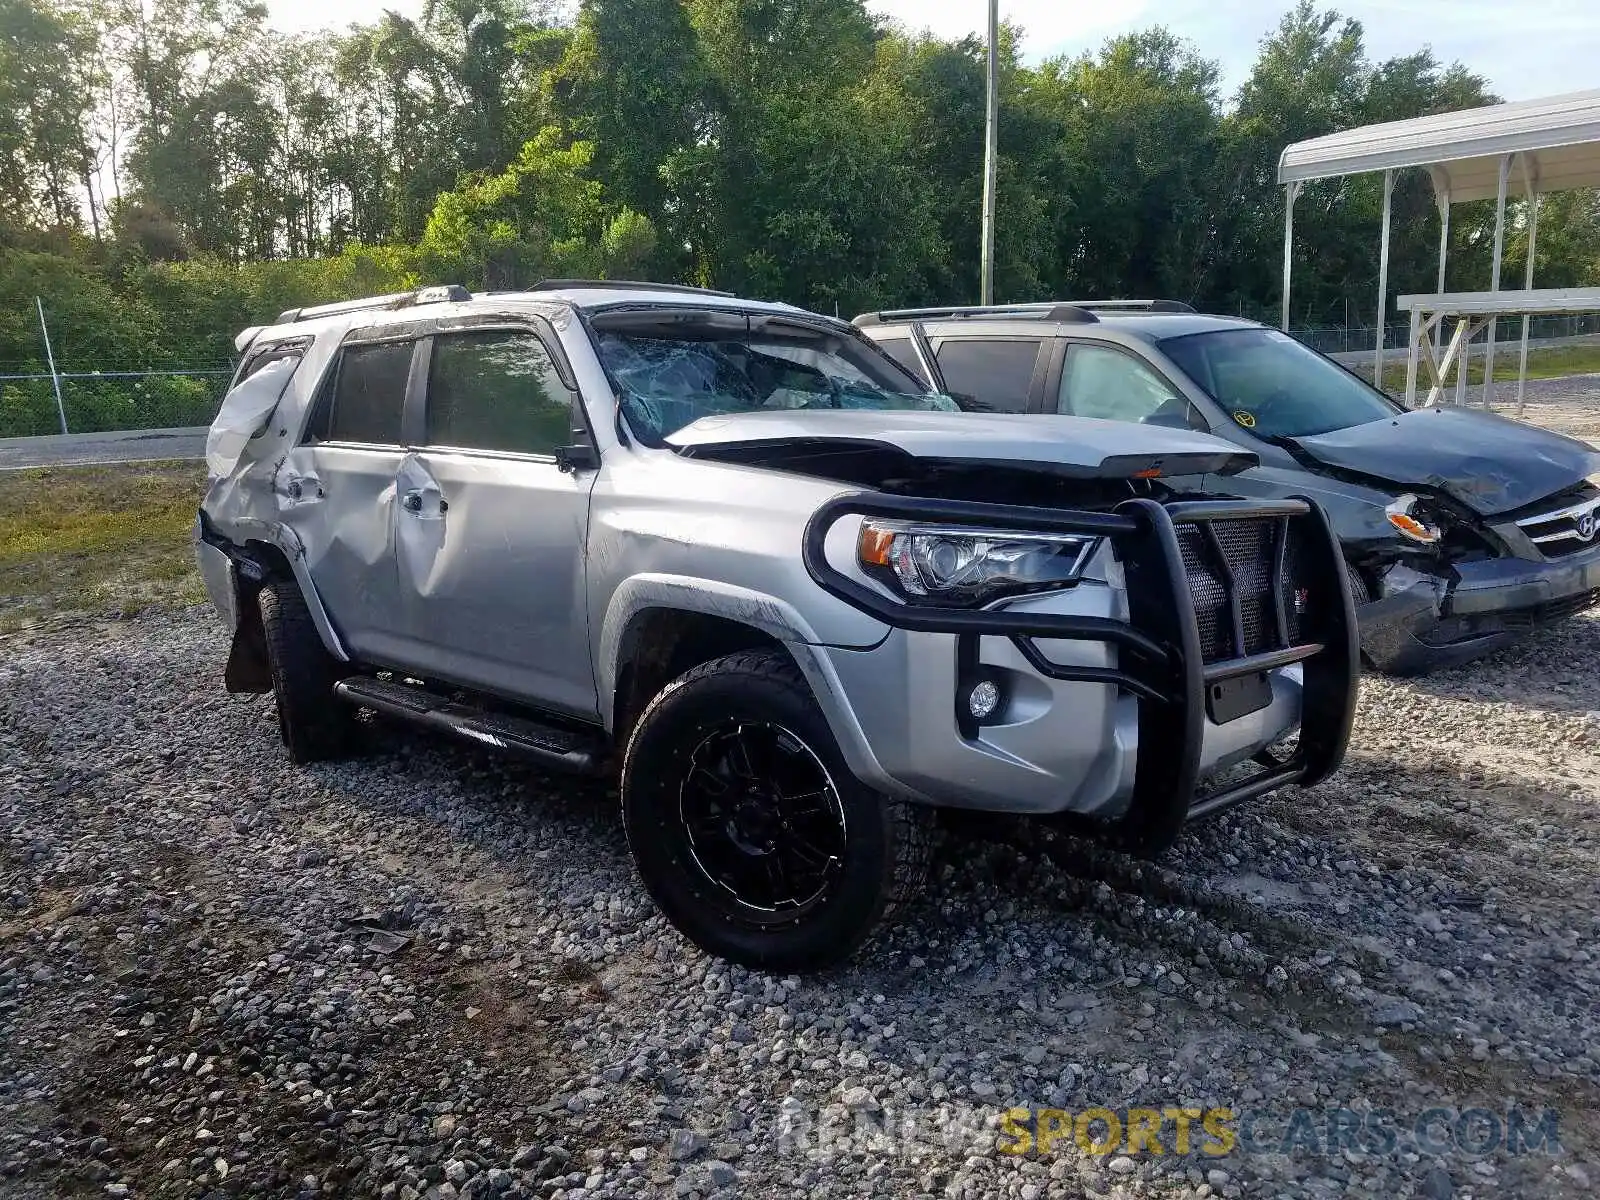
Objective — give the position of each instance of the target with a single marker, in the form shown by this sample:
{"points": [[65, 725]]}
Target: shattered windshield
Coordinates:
{"points": [[668, 379], [1273, 386]]}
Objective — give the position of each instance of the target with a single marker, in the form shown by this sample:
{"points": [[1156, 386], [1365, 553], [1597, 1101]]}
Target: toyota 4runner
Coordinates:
{"points": [[733, 551]]}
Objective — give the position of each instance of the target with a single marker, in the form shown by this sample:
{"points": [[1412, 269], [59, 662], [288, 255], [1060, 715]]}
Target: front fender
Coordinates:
{"points": [[685, 593]]}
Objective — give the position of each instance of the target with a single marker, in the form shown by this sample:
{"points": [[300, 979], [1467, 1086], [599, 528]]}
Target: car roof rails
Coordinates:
{"points": [[626, 285], [1045, 311], [1154, 306], [440, 294]]}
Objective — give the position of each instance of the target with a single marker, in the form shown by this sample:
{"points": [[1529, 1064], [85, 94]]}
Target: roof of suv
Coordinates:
{"points": [[1058, 319], [453, 299]]}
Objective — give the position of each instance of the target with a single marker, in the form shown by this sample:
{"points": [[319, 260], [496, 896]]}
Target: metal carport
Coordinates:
{"points": [[1550, 144]]}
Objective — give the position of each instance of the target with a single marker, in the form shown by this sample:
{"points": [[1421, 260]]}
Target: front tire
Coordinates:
{"points": [[748, 829], [314, 725]]}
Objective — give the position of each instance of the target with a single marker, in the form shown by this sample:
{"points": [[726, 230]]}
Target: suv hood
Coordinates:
{"points": [[1488, 463], [1079, 447]]}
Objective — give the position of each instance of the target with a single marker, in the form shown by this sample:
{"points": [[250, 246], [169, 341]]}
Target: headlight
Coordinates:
{"points": [[960, 565], [1408, 516]]}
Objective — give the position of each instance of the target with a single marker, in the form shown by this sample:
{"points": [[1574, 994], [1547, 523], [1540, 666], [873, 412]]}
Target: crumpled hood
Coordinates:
{"points": [[1488, 463], [1075, 446]]}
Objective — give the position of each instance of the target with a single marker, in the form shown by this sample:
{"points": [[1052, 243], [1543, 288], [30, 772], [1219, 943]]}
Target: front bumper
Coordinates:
{"points": [[1110, 706], [1427, 622]]}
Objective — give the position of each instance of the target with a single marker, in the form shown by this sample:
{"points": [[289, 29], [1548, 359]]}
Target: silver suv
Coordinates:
{"points": [[733, 551]]}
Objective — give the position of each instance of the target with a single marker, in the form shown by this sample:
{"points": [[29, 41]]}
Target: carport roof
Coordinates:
{"points": [[1558, 137]]}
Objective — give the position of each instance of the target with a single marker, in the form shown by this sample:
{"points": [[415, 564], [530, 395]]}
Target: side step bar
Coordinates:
{"points": [[551, 745]]}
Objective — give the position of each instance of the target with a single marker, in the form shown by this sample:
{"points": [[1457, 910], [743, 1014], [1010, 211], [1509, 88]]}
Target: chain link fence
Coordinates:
{"points": [[109, 401]]}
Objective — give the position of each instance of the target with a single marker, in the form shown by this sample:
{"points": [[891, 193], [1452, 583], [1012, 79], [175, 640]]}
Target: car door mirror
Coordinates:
{"points": [[580, 456]]}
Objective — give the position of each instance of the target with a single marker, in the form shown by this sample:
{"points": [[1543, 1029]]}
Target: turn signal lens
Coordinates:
{"points": [[1405, 516]]}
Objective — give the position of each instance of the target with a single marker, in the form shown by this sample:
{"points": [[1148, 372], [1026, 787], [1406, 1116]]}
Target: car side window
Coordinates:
{"points": [[497, 390], [366, 395], [997, 374], [904, 351], [1099, 381]]}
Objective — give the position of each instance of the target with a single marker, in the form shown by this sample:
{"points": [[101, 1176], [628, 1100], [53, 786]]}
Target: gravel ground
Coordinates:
{"points": [[430, 972]]}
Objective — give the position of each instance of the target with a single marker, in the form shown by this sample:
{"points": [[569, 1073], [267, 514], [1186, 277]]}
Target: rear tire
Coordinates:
{"points": [[748, 829], [314, 725]]}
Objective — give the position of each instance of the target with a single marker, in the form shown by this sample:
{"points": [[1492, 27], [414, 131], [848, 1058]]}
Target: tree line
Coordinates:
{"points": [[172, 170]]}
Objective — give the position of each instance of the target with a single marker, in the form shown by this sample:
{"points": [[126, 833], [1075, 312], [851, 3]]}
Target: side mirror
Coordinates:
{"points": [[580, 456]]}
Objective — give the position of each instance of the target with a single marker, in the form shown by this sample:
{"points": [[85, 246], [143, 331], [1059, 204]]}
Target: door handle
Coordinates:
{"points": [[412, 502]]}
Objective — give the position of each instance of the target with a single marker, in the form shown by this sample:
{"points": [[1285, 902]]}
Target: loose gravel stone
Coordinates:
{"points": [[427, 972]]}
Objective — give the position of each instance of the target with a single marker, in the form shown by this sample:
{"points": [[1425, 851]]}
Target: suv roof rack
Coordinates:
{"points": [[1045, 311], [573, 285], [439, 294], [1155, 306]]}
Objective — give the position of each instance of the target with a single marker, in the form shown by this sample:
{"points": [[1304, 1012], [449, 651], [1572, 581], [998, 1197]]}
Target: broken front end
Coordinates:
{"points": [[1199, 638]]}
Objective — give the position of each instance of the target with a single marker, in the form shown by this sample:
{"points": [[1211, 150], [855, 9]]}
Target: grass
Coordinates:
{"points": [[96, 541], [1552, 362]]}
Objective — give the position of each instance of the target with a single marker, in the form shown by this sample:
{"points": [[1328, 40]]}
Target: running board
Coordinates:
{"points": [[551, 745]]}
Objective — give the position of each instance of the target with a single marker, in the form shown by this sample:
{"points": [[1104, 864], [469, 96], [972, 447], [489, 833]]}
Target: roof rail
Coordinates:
{"points": [[1044, 311], [573, 285], [1159, 306], [439, 294]]}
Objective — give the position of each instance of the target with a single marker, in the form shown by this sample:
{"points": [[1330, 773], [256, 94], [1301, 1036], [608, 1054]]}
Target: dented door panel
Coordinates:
{"points": [[490, 551], [340, 501]]}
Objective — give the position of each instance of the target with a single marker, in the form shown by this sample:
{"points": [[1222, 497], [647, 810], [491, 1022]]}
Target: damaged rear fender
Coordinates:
{"points": [[270, 550]]}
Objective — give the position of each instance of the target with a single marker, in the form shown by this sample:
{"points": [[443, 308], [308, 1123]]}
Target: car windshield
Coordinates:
{"points": [[1273, 386], [667, 382]]}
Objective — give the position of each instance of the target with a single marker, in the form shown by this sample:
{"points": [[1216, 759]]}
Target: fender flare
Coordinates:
{"points": [[686, 593]]}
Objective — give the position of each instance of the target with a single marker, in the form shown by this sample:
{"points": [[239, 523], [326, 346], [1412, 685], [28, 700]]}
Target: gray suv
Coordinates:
{"points": [[732, 551]]}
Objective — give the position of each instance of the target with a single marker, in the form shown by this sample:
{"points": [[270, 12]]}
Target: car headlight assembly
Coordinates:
{"points": [[1412, 520], [958, 565]]}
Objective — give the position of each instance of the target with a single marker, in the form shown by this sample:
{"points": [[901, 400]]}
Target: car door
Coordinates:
{"points": [[338, 491], [491, 531]]}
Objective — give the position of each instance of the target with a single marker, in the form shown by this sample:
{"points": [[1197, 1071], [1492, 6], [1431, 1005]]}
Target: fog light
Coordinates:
{"points": [[983, 700]]}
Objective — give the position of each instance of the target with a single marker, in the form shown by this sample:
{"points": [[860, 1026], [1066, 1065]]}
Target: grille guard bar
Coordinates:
{"points": [[1159, 653]]}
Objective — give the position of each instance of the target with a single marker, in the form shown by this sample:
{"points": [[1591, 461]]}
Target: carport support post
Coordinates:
{"points": [[1494, 276], [1290, 192], [1527, 285], [1444, 236], [1383, 282], [49, 355]]}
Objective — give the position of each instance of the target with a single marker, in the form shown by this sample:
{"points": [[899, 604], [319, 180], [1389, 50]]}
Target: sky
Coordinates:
{"points": [[1526, 48]]}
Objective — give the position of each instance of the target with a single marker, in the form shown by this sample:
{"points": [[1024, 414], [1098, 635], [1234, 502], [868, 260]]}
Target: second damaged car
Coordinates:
{"points": [[1461, 529], [730, 551]]}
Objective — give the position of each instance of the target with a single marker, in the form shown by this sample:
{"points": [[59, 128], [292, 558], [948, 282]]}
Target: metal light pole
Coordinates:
{"points": [[990, 152], [55, 377]]}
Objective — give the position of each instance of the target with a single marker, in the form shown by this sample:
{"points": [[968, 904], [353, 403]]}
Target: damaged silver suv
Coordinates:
{"points": [[733, 551]]}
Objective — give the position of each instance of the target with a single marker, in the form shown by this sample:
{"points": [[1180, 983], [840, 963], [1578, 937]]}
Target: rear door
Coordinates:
{"points": [[343, 507], [492, 532]]}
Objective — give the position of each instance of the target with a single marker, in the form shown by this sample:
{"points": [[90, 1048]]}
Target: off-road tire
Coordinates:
{"points": [[314, 725], [887, 844]]}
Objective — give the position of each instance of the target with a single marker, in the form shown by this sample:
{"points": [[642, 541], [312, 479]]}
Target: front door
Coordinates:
{"points": [[491, 533]]}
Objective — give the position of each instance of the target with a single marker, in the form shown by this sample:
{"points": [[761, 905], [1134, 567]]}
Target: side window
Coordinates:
{"points": [[904, 351], [1101, 382], [497, 391], [368, 394], [997, 375]]}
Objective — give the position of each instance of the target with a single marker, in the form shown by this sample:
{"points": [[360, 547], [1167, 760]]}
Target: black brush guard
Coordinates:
{"points": [[1159, 653]]}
